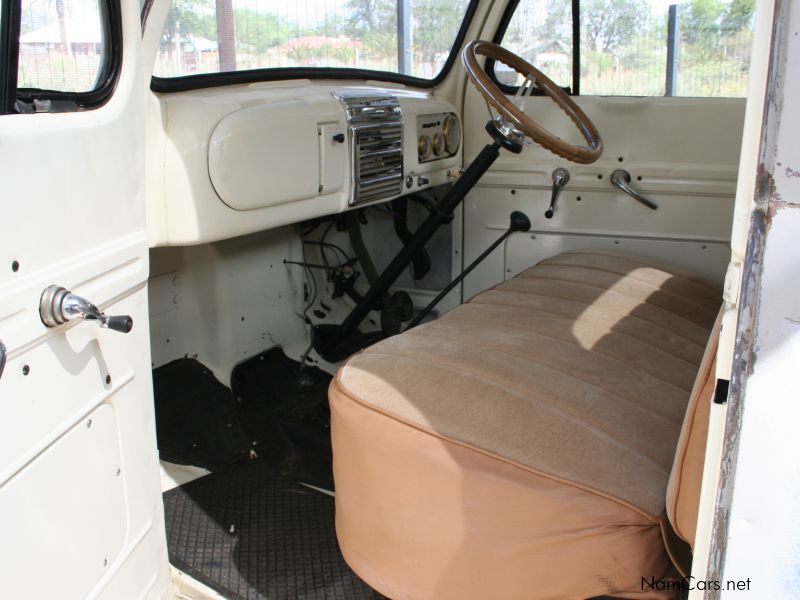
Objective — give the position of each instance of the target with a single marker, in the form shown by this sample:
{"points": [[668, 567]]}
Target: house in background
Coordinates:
{"points": [[73, 35]]}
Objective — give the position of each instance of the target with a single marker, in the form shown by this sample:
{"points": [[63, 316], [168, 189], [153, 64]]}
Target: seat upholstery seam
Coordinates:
{"points": [[584, 320], [453, 317], [500, 288], [631, 277], [504, 287], [336, 383], [633, 260], [573, 377], [609, 290], [521, 395], [650, 411], [588, 305]]}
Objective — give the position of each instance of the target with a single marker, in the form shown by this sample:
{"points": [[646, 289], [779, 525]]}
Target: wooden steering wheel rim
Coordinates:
{"points": [[495, 96]]}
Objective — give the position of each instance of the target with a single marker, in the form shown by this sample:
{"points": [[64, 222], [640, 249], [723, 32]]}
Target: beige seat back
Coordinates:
{"points": [[683, 490]]}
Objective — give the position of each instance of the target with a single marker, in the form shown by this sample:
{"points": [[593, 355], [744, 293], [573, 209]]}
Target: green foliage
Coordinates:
{"points": [[700, 21], [257, 32], [739, 15], [608, 25], [435, 24], [527, 31], [374, 22], [190, 17]]}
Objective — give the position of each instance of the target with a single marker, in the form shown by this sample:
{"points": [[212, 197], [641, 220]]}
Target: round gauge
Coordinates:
{"points": [[424, 147], [452, 133], [438, 144]]}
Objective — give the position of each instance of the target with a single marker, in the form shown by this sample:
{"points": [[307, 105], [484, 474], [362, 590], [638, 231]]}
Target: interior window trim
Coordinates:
{"points": [[61, 101], [207, 80], [10, 19], [502, 27]]}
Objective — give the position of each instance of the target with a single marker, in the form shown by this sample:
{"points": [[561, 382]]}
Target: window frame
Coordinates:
{"points": [[11, 95], [10, 20], [209, 80], [574, 88]]}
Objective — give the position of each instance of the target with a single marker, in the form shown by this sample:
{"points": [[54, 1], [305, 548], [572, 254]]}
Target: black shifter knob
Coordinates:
{"points": [[519, 222]]}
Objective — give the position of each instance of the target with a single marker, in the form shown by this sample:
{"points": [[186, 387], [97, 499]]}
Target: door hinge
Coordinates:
{"points": [[730, 291]]}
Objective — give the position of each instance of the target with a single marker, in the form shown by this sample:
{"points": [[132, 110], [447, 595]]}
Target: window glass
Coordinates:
{"points": [[211, 36], [61, 45], [642, 47], [540, 31]]}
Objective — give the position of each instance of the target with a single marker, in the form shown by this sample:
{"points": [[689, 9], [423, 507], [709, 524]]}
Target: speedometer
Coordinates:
{"points": [[438, 144], [424, 147], [452, 133]]}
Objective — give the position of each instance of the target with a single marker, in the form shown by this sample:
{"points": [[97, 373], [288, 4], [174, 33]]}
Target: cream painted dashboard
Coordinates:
{"points": [[239, 159]]}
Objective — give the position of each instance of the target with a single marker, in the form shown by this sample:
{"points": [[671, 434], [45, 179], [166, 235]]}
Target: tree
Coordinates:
{"points": [[700, 21], [374, 22], [528, 30], [62, 27], [608, 25], [189, 17], [738, 15], [257, 32], [435, 24]]}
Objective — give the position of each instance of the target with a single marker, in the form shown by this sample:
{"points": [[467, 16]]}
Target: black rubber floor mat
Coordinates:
{"points": [[196, 418], [250, 534], [283, 408]]}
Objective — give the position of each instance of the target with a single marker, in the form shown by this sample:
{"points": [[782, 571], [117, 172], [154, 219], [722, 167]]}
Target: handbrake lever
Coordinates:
{"points": [[518, 222]]}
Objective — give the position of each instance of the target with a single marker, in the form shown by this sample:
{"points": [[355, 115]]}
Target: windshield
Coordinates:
{"points": [[406, 37]]}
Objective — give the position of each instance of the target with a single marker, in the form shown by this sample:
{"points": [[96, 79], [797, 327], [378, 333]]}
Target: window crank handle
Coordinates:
{"points": [[560, 179], [58, 306]]}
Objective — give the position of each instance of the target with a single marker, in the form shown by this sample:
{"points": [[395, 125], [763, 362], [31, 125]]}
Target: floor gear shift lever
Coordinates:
{"points": [[560, 179], [518, 222]]}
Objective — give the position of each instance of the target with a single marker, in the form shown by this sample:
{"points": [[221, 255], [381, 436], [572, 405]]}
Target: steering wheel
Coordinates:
{"points": [[514, 111]]}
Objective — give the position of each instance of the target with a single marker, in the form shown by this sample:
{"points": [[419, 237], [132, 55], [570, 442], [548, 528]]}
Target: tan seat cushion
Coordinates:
{"points": [[524, 440]]}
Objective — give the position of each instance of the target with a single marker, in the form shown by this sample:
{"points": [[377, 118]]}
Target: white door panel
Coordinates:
{"points": [[74, 216], [681, 153], [73, 539]]}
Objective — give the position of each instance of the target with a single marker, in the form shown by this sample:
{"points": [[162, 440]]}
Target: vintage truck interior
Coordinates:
{"points": [[433, 290]]}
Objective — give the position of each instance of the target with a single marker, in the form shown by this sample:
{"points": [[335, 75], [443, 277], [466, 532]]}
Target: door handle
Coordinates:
{"points": [[58, 306], [620, 179], [2, 357]]}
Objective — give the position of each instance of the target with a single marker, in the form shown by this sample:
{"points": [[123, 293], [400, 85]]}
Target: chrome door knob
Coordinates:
{"points": [[58, 306], [2, 357]]}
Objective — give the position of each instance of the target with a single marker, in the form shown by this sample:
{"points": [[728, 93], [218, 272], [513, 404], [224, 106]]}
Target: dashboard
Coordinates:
{"points": [[242, 159]]}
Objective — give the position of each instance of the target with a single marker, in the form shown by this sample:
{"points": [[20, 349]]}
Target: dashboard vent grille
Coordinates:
{"points": [[376, 140], [378, 154]]}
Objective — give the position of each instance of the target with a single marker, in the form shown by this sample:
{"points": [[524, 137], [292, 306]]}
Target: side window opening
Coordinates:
{"points": [[696, 48], [61, 45], [59, 55]]}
